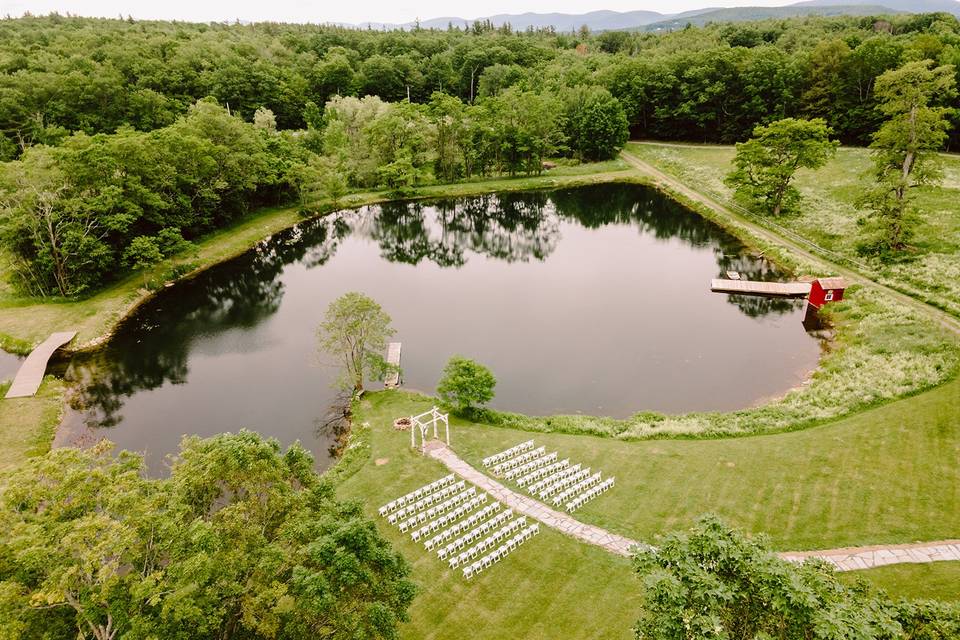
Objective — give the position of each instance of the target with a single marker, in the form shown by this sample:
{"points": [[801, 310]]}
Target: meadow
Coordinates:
{"points": [[828, 215], [887, 475]]}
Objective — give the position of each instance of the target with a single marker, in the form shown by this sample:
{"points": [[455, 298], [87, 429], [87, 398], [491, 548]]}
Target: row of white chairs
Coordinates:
{"points": [[555, 477], [590, 494], [471, 504], [509, 453], [543, 472], [444, 520], [498, 469], [462, 526], [536, 463], [500, 552], [488, 542], [475, 533], [426, 501], [563, 483], [416, 494], [576, 489]]}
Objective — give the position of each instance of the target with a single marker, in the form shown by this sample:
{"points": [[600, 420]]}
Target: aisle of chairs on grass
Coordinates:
{"points": [[547, 478], [459, 523]]}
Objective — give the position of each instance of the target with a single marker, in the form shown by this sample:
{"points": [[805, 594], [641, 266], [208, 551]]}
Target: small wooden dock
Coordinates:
{"points": [[30, 375], [757, 288], [392, 380]]}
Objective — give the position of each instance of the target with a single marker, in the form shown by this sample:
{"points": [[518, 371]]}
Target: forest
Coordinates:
{"points": [[123, 140]]}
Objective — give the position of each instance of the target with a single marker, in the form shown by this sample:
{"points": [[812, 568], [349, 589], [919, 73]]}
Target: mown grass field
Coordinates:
{"points": [[936, 581], [828, 214], [24, 322], [888, 475]]}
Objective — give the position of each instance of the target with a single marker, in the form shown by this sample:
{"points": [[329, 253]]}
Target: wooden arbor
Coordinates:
{"points": [[423, 422]]}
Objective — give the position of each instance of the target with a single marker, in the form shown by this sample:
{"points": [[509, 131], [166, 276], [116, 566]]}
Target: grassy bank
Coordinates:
{"points": [[882, 350], [887, 475], [24, 322], [936, 581], [27, 424], [930, 271]]}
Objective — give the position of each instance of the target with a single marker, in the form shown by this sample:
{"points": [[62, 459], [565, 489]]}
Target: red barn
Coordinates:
{"points": [[824, 290]]}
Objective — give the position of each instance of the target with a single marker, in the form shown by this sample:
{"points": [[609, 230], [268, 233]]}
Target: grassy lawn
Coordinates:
{"points": [[888, 475], [551, 587], [937, 580], [829, 216], [24, 322], [27, 424]]}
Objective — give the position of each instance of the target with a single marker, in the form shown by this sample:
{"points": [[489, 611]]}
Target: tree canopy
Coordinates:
{"points": [[914, 99], [355, 329], [767, 163], [714, 583], [242, 540], [465, 384]]}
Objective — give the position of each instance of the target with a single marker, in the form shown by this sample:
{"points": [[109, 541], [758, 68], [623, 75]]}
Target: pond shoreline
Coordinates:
{"points": [[353, 201], [621, 210], [779, 256]]}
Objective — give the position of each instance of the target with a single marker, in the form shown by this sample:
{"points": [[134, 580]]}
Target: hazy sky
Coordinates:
{"points": [[353, 11]]}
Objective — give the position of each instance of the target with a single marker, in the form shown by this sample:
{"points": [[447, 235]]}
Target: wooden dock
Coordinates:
{"points": [[30, 375], [756, 288], [392, 380]]}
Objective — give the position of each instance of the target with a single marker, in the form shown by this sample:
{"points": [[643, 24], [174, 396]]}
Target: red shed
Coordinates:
{"points": [[824, 290]]}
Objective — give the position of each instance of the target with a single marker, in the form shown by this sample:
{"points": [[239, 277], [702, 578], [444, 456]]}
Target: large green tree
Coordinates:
{"points": [[905, 148], [465, 384], [596, 124], [242, 541], [355, 330], [767, 163]]}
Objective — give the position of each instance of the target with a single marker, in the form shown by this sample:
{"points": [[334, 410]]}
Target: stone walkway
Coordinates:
{"points": [[848, 559], [854, 558], [527, 506]]}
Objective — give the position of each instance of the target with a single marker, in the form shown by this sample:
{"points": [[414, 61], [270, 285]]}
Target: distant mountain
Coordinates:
{"points": [[595, 20], [653, 21], [911, 6], [743, 14]]}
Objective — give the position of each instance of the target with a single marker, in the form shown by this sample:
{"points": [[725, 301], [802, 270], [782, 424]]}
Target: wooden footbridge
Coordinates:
{"points": [[757, 288], [30, 375]]}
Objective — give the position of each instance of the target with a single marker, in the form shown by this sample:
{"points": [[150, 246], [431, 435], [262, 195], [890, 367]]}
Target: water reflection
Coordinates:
{"points": [[502, 278]]}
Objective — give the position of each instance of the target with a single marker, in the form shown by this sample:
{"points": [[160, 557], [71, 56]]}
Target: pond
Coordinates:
{"points": [[592, 300], [9, 365]]}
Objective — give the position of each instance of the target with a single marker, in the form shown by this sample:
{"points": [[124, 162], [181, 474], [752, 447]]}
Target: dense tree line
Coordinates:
{"points": [[716, 83], [125, 140], [78, 214]]}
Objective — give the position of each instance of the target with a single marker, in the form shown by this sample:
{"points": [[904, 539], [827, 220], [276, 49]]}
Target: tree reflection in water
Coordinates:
{"points": [[152, 348]]}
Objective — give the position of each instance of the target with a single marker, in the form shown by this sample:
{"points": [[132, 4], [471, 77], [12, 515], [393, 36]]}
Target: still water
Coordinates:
{"points": [[9, 364], [592, 300]]}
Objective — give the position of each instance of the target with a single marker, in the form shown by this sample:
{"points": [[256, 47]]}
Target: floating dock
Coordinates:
{"points": [[392, 380], [30, 375], [757, 288]]}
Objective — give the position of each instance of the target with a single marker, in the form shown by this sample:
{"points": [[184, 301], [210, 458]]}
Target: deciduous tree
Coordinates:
{"points": [[905, 148], [767, 163], [465, 384], [355, 329]]}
